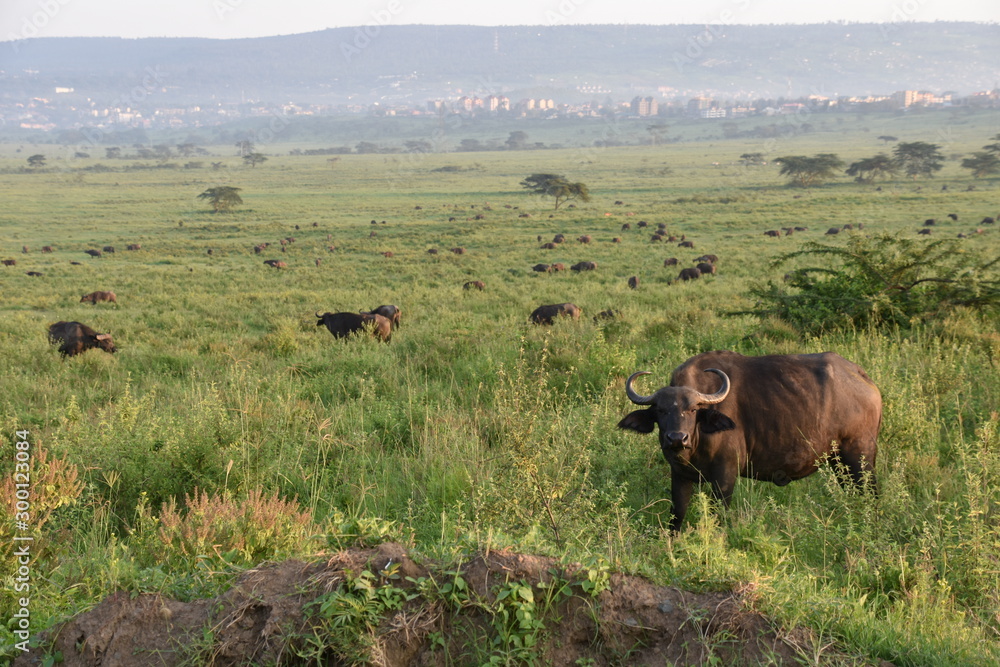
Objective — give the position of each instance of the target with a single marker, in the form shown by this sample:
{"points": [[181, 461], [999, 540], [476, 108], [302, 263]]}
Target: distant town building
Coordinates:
{"points": [[645, 106]]}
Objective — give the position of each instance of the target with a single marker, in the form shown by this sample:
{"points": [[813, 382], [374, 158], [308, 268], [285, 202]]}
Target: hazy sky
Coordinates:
{"points": [[251, 18]]}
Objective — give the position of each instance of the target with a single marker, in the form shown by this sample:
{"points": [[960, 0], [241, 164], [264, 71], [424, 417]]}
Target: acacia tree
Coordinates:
{"points": [[554, 185], [253, 159], [804, 171], [982, 164], [36, 161], [222, 198], [918, 158], [868, 169]]}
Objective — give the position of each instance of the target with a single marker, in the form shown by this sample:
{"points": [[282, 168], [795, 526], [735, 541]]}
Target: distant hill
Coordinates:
{"points": [[420, 62]]}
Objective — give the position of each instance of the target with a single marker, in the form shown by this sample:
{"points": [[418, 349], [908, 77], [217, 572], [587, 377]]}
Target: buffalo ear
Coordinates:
{"points": [[713, 421], [640, 421]]}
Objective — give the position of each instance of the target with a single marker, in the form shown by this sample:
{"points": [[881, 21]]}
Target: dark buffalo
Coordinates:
{"points": [[686, 244], [389, 312], [706, 268], [33, 274], [9, 262], [924, 231], [134, 246], [432, 251], [633, 282], [458, 251], [609, 314], [655, 238], [583, 266], [626, 226], [772, 232], [342, 325], [547, 314], [689, 274], [833, 230], [769, 418], [94, 297], [707, 258], [930, 222], [317, 260], [549, 246], [616, 240], [988, 220], [541, 268], [953, 217], [76, 338], [670, 261], [641, 223], [93, 253], [276, 263], [559, 238], [109, 249], [475, 284]]}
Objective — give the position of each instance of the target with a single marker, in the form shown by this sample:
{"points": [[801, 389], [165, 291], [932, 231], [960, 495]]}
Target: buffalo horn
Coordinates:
{"points": [[630, 392], [318, 316], [719, 396]]}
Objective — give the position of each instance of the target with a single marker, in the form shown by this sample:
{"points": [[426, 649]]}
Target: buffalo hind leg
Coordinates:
{"points": [[857, 461]]}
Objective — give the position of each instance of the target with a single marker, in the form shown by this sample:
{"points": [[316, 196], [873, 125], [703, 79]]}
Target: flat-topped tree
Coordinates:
{"points": [[554, 185], [222, 198]]}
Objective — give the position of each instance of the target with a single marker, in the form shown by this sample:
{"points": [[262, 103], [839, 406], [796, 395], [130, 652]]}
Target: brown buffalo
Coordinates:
{"points": [[387, 253], [689, 274], [47, 248], [110, 249], [94, 297], [134, 246], [583, 266], [75, 338], [276, 263], [93, 253], [559, 238], [641, 223], [706, 268], [707, 258], [772, 232], [9, 262], [547, 314], [458, 251], [475, 284], [626, 226], [616, 240], [609, 314], [549, 246], [633, 282], [389, 312], [585, 238], [686, 244], [557, 267], [769, 418], [670, 261], [432, 251], [656, 238], [926, 232], [541, 268], [342, 325], [33, 274]]}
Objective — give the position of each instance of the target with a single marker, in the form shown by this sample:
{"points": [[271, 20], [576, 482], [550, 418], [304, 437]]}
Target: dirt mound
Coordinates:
{"points": [[263, 619]]}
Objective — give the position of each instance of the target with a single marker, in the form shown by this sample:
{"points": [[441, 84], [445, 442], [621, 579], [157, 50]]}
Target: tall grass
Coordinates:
{"points": [[473, 428]]}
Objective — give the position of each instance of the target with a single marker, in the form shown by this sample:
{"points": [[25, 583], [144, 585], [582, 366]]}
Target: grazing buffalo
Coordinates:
{"points": [[549, 246], [930, 222], [707, 258], [76, 338], [833, 230], [458, 251], [541, 268], [342, 325], [656, 238], [988, 220], [609, 314], [33, 274], [953, 217], [670, 261], [584, 239], [109, 249], [432, 251], [769, 418], [276, 263], [616, 240], [475, 284], [389, 312], [9, 262], [134, 246], [686, 244], [317, 260], [387, 253], [626, 226], [706, 268], [94, 297], [547, 314], [559, 238], [641, 223], [93, 253], [689, 274], [583, 266], [47, 248], [557, 267], [633, 282], [924, 231], [772, 232]]}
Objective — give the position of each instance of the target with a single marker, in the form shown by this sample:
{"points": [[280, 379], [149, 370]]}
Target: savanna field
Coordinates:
{"points": [[229, 430]]}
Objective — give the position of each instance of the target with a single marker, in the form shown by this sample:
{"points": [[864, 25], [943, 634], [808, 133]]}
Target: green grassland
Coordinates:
{"points": [[472, 429]]}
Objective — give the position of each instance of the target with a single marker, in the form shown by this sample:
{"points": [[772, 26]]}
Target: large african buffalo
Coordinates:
{"points": [[772, 418], [706, 268], [475, 284], [94, 297], [276, 263], [342, 325], [548, 314], [93, 253], [689, 274], [583, 266], [389, 312], [76, 338]]}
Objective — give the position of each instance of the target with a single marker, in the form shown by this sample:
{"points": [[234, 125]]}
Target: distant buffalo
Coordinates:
{"points": [[93, 253], [541, 268], [686, 244], [342, 325], [924, 231], [47, 248], [616, 240], [94, 297], [988, 220], [559, 238], [833, 230], [626, 227], [670, 261], [772, 232], [557, 267], [953, 217], [706, 268], [547, 314], [10, 262], [389, 312], [432, 251], [584, 266], [707, 258], [475, 284], [458, 251], [33, 274], [689, 274], [75, 338], [134, 246], [633, 282], [109, 249], [276, 263], [655, 238], [609, 314], [584, 239], [641, 223], [548, 246]]}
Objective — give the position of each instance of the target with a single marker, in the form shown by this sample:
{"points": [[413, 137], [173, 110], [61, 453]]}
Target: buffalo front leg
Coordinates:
{"points": [[680, 496]]}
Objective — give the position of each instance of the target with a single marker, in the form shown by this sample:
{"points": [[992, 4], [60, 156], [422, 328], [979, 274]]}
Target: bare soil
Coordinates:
{"points": [[262, 620]]}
